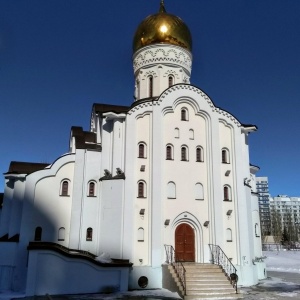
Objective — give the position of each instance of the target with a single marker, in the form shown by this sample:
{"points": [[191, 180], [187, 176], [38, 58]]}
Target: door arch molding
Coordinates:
{"points": [[191, 220]]}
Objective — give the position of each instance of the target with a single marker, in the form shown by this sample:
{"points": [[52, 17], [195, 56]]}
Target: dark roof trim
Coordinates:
{"points": [[78, 254], [104, 108], [18, 167], [14, 239]]}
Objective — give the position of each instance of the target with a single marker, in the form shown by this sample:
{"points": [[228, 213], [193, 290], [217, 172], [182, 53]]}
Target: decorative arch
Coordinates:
{"points": [[171, 190], [61, 234], [189, 218], [191, 134], [228, 235], [176, 133], [140, 235], [199, 193]]}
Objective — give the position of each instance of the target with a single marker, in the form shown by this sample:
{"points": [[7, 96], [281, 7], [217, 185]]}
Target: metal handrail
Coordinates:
{"points": [[178, 266], [220, 258]]}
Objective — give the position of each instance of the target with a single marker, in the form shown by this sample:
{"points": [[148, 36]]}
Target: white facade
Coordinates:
{"points": [[173, 160]]}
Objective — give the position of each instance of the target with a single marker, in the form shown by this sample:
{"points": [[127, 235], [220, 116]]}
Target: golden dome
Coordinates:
{"points": [[162, 28]]}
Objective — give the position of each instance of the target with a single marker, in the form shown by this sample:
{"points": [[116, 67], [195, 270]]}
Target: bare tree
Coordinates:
{"points": [[276, 226]]}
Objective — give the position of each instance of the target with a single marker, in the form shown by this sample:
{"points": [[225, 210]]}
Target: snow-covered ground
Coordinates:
{"points": [[283, 282], [283, 261]]}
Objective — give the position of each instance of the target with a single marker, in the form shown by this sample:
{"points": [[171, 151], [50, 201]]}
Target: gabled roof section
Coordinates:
{"points": [[84, 139], [104, 108], [19, 167]]}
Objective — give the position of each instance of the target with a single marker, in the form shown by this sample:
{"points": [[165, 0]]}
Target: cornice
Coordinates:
{"points": [[188, 87], [162, 54]]}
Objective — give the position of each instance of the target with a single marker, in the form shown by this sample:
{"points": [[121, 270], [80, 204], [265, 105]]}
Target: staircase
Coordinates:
{"points": [[205, 281]]}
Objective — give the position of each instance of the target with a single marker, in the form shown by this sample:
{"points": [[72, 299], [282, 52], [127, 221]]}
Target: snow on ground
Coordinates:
{"points": [[283, 261], [282, 283]]}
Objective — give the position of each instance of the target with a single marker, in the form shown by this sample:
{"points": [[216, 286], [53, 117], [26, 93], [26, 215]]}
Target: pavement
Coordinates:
{"points": [[278, 285]]}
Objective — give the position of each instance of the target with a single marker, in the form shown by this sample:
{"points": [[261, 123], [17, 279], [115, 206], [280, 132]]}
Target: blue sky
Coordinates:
{"points": [[58, 57]]}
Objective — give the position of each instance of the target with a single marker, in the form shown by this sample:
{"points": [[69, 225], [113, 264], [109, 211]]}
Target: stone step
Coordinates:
{"points": [[205, 271], [208, 275], [209, 290], [212, 282], [207, 285], [213, 297]]}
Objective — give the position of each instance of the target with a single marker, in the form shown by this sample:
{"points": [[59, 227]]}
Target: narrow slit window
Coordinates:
{"points": [[169, 153], [183, 115], [141, 189], [198, 154], [150, 86], [65, 188], [92, 189], [184, 154], [141, 151], [89, 234], [171, 80]]}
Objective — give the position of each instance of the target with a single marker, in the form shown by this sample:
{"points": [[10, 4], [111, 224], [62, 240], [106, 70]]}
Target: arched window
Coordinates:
{"points": [[65, 188], [89, 234], [150, 83], [225, 156], [38, 234], [142, 152], [184, 114], [176, 132], [199, 195], [199, 154], [169, 152], [228, 235], [227, 193], [184, 153], [191, 133], [92, 189], [141, 189], [171, 80], [140, 236], [171, 190], [61, 234]]}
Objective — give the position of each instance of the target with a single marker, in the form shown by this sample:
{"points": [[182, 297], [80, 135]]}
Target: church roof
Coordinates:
{"points": [[84, 139], [19, 167], [162, 28], [103, 108]]}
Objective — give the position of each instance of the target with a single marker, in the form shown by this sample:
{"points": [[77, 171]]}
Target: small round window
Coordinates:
{"points": [[143, 281]]}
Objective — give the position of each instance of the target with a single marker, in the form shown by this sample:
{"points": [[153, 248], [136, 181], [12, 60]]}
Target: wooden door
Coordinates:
{"points": [[185, 243]]}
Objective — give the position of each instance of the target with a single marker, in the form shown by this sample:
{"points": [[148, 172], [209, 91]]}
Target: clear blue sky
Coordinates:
{"points": [[58, 57]]}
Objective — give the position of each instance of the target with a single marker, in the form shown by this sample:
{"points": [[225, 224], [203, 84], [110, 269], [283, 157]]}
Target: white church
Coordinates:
{"points": [[166, 179]]}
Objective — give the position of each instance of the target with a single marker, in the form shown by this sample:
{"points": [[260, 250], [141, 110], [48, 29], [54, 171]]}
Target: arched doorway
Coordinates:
{"points": [[185, 243]]}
